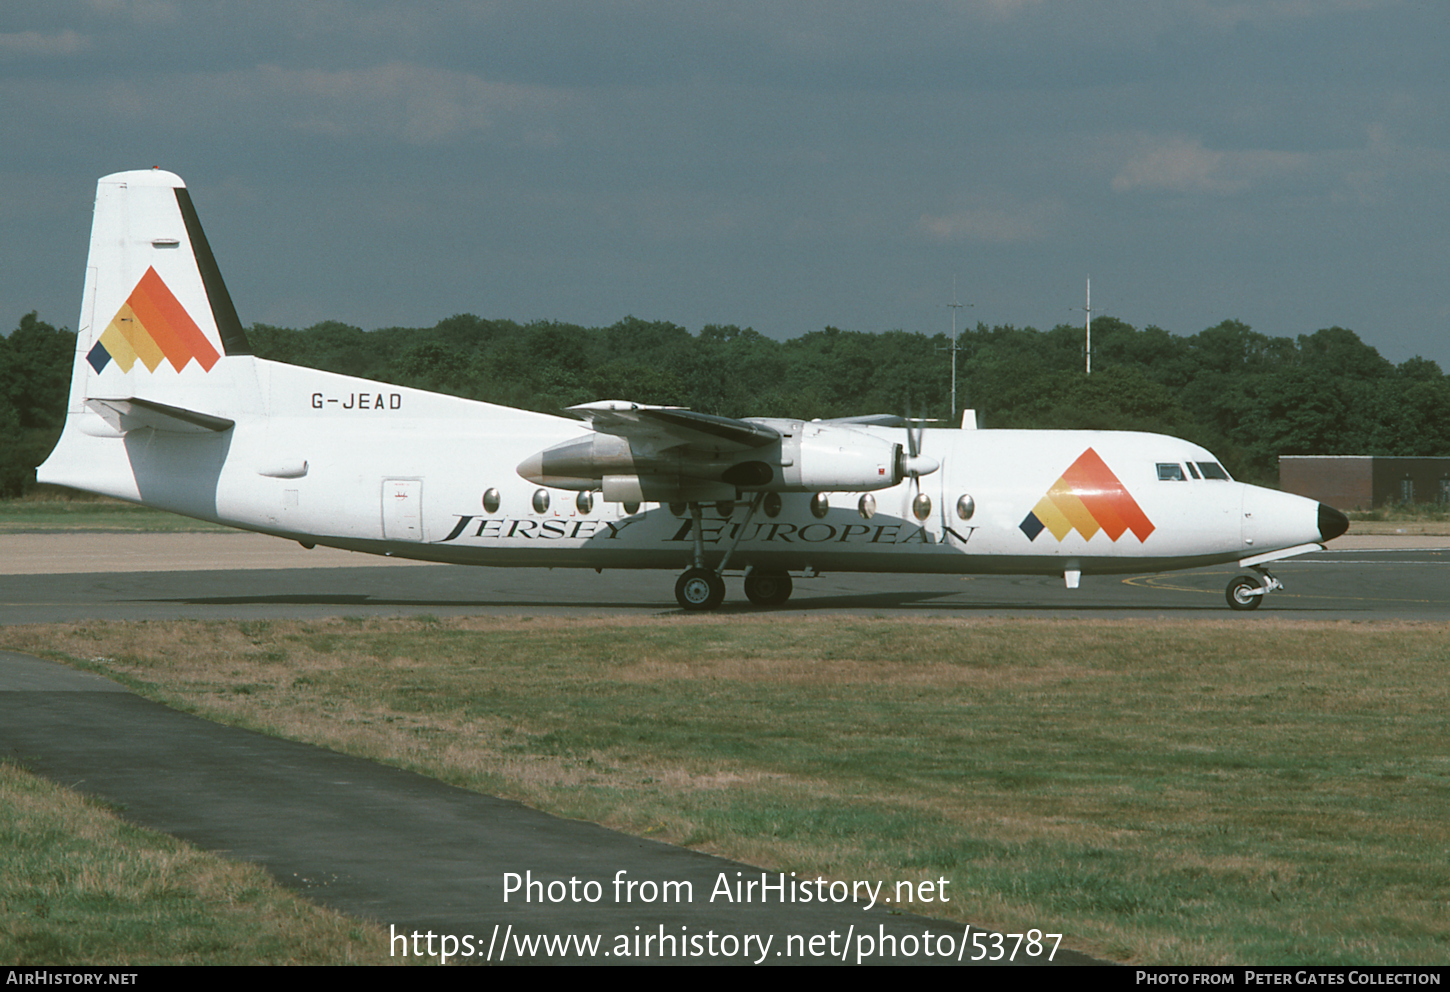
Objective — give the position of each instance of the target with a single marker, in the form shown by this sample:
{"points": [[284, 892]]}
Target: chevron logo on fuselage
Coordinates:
{"points": [[1087, 498], [152, 326]]}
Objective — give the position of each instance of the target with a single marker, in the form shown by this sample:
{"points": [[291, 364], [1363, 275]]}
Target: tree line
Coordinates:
{"points": [[1245, 396]]}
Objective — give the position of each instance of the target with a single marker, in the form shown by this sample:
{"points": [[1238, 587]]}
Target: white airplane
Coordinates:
{"points": [[169, 408]]}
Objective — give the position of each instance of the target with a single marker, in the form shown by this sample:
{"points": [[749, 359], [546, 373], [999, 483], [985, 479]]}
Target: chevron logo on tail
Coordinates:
{"points": [[1087, 498], [152, 326]]}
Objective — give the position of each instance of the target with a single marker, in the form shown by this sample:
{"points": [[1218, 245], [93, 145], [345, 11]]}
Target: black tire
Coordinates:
{"points": [[699, 589], [1238, 595], [768, 588]]}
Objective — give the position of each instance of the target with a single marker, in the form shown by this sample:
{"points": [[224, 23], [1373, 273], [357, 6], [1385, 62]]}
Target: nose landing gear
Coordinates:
{"points": [[1246, 592]]}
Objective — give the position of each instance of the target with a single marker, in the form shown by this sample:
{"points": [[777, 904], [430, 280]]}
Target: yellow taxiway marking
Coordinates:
{"points": [[1153, 582]]}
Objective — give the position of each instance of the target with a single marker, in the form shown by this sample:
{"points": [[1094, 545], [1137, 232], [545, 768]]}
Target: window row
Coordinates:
{"points": [[771, 505]]}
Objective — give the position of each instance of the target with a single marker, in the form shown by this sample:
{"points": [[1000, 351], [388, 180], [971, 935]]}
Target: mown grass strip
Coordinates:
{"points": [[78, 886], [81, 515], [1261, 792]]}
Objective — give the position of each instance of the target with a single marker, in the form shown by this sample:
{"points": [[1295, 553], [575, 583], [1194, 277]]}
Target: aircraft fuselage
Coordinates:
{"points": [[385, 469]]}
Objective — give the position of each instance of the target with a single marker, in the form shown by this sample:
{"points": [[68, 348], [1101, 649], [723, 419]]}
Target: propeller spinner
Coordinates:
{"points": [[913, 464]]}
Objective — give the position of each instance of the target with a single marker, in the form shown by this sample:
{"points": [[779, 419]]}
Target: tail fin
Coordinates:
{"points": [[158, 342], [156, 317]]}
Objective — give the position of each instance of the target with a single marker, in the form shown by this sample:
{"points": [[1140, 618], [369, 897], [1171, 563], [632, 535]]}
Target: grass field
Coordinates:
{"points": [[1422, 528], [43, 515], [1267, 792], [78, 885], [1419, 518]]}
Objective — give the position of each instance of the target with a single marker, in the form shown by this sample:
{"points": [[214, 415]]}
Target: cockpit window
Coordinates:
{"points": [[1170, 472], [1213, 470], [1193, 471]]}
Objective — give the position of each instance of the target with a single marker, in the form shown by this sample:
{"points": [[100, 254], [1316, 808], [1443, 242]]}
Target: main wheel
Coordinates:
{"points": [[1241, 595], [699, 589], [768, 588]]}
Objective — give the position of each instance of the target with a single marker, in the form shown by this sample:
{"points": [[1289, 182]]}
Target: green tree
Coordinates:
{"points": [[35, 370]]}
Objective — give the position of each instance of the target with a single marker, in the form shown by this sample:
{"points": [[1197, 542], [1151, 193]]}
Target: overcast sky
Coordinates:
{"points": [[783, 165]]}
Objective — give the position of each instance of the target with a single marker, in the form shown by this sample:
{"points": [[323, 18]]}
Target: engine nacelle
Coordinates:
{"points": [[828, 457], [817, 457], [809, 457], [610, 464]]}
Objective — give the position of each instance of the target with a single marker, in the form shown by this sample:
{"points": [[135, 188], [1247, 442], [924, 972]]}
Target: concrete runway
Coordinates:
{"points": [[58, 578]]}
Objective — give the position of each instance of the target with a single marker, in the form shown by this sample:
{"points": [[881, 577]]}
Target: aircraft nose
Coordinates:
{"points": [[1332, 523]]}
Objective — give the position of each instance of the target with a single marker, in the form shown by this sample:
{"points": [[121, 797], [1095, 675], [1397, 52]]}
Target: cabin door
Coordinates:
{"points": [[402, 509]]}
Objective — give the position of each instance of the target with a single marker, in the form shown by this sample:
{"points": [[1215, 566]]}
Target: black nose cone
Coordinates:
{"points": [[1332, 523]]}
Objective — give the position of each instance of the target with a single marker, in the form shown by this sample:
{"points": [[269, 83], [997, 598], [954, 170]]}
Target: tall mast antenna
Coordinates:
{"points": [[1088, 327], [954, 306]]}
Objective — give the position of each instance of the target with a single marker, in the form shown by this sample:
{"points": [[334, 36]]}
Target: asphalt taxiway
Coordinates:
{"points": [[60, 578]]}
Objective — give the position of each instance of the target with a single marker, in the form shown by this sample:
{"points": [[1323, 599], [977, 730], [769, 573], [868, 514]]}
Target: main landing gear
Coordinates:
{"points": [[767, 588], [701, 588], [1246, 592]]}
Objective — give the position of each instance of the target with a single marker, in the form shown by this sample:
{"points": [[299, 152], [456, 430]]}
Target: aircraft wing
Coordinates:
{"points": [[871, 420], [664, 427]]}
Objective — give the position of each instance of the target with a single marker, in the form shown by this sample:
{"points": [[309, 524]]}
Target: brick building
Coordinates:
{"points": [[1361, 482]]}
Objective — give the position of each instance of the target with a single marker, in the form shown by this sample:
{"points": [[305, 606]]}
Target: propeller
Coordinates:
{"points": [[913, 464]]}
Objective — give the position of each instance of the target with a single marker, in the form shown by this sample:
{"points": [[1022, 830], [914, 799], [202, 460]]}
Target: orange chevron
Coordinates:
{"points": [[152, 325], [1088, 498]]}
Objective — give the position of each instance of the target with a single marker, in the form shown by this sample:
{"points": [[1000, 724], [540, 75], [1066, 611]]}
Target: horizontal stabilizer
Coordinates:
{"points": [[133, 414]]}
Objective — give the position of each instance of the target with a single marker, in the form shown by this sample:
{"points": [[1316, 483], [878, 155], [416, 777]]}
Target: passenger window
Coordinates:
{"points": [[1213, 470], [1170, 472]]}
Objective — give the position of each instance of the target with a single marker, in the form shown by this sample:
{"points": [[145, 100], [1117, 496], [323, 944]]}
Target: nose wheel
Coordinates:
{"points": [[699, 589], [1246, 592]]}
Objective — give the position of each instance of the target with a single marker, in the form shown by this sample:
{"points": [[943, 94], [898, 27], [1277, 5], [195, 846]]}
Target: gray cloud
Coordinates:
{"points": [[36, 43], [786, 165]]}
